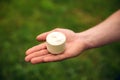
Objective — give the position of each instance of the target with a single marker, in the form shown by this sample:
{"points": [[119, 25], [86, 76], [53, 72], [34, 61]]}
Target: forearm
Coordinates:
{"points": [[106, 32]]}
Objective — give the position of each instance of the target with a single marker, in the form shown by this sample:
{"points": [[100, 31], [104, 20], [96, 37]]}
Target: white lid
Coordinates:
{"points": [[56, 38]]}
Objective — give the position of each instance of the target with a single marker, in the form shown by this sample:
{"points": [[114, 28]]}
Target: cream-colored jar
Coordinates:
{"points": [[56, 42]]}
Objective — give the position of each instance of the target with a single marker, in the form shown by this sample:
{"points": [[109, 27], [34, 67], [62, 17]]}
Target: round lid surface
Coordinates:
{"points": [[56, 38]]}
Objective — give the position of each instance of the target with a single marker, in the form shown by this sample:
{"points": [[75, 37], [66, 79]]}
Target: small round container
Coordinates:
{"points": [[56, 42]]}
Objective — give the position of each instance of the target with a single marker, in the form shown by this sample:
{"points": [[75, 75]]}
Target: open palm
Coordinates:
{"points": [[39, 53]]}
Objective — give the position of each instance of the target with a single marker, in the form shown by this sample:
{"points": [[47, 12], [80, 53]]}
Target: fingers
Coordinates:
{"points": [[36, 54], [36, 48], [52, 58], [42, 36], [49, 58]]}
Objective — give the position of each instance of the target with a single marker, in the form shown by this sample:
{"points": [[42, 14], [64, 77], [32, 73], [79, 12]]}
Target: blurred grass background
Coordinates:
{"points": [[22, 20]]}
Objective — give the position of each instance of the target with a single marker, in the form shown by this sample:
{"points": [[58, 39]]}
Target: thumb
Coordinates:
{"points": [[42, 37]]}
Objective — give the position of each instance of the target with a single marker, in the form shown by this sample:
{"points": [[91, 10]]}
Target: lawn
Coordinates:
{"points": [[21, 21]]}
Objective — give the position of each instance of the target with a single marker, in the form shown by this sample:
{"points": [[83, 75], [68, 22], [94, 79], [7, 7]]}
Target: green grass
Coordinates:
{"points": [[21, 21]]}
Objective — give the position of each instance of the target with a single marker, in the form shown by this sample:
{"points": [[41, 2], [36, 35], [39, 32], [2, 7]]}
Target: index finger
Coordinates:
{"points": [[36, 48]]}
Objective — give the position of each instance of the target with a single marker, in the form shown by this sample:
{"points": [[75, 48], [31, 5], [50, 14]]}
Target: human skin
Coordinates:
{"points": [[106, 32]]}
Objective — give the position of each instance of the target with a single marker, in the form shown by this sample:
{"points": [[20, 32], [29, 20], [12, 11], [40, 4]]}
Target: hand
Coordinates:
{"points": [[39, 53]]}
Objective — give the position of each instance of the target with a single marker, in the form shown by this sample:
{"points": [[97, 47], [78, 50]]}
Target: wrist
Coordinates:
{"points": [[86, 40]]}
